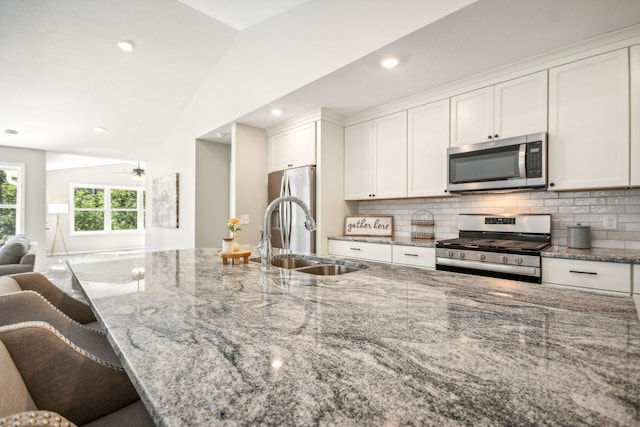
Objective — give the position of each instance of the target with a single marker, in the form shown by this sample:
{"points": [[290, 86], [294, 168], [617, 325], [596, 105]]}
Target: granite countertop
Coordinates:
{"points": [[396, 240], [629, 256], [389, 345]]}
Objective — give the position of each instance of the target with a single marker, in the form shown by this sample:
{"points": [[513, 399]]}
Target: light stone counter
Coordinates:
{"points": [[626, 256], [206, 343], [396, 240]]}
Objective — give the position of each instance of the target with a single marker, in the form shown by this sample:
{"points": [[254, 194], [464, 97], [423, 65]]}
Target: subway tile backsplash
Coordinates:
{"points": [[622, 207]]}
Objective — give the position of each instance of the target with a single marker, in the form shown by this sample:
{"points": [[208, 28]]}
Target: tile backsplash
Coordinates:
{"points": [[620, 208]]}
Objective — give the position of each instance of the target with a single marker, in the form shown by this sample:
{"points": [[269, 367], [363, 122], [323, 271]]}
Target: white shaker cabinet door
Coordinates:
{"points": [[390, 156], [589, 123], [472, 117], [358, 161], [280, 151], [428, 140], [304, 145], [520, 106], [635, 116]]}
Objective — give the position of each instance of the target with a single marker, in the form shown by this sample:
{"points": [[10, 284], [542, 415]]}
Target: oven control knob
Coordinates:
{"points": [[518, 260], [450, 253], [503, 258], [461, 255], [482, 257]]}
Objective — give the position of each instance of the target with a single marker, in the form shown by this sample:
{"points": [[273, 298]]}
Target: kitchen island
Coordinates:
{"points": [[207, 343]]}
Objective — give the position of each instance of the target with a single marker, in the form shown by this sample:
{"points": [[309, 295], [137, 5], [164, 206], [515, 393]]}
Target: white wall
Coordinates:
{"points": [[249, 180], [35, 184], [268, 61], [212, 193], [332, 208], [58, 191]]}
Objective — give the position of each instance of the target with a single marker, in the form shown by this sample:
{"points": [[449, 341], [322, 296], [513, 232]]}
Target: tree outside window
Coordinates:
{"points": [[107, 209], [89, 212], [10, 201], [124, 209]]}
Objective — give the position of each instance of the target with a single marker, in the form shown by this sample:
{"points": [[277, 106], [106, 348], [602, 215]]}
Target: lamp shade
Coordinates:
{"points": [[58, 208]]}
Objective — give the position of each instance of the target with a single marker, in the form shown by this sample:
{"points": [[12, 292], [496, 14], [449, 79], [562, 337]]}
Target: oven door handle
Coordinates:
{"points": [[502, 268], [522, 160]]}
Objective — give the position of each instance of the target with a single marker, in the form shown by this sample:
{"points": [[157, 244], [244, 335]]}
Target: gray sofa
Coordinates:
{"points": [[48, 380], [18, 255]]}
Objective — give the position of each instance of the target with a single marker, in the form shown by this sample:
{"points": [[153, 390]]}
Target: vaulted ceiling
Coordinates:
{"points": [[62, 74]]}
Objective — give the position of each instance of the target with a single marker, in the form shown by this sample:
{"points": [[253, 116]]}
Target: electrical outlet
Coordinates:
{"points": [[610, 222], [244, 219]]}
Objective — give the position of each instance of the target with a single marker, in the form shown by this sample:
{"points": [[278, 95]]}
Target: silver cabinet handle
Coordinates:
{"points": [[583, 272], [411, 254], [355, 249]]}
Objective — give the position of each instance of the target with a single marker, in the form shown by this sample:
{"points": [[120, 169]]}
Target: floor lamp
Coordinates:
{"points": [[57, 209]]}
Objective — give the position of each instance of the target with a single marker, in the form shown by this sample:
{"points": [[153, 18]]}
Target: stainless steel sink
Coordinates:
{"points": [[292, 262], [327, 269], [314, 265]]}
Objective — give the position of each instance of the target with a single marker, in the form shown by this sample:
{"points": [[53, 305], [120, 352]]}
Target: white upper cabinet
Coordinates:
{"points": [[520, 106], [635, 116], [428, 140], [472, 117], [512, 108], [358, 161], [375, 158], [589, 123], [293, 148]]}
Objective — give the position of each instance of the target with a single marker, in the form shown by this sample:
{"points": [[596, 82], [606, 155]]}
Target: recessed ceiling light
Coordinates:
{"points": [[126, 45], [11, 131], [276, 112], [389, 62], [98, 129]]}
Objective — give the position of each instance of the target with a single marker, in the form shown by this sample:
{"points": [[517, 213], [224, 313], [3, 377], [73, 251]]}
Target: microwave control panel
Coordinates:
{"points": [[534, 159]]}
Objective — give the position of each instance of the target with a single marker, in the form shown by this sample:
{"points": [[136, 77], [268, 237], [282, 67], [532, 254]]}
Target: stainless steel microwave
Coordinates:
{"points": [[510, 163]]}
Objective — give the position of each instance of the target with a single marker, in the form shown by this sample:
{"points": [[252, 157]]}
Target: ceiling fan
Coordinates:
{"points": [[137, 173]]}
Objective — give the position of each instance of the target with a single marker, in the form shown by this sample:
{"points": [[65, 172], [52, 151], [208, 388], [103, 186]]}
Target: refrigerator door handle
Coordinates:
{"points": [[281, 214], [287, 226]]}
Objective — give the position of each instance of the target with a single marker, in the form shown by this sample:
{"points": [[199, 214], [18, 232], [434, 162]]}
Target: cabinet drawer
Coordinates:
{"points": [[371, 251], [414, 256], [605, 276]]}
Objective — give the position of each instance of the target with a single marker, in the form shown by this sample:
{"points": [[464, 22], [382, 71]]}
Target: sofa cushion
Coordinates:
{"points": [[133, 415], [36, 419], [13, 251], [9, 285], [14, 397]]}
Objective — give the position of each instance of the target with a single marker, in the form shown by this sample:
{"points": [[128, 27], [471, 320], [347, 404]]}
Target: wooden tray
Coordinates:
{"points": [[235, 256]]}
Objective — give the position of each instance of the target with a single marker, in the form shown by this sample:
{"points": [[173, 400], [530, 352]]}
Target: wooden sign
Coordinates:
{"points": [[381, 226]]}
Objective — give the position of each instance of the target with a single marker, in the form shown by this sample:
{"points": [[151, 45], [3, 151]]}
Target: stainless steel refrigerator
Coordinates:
{"points": [[287, 220]]}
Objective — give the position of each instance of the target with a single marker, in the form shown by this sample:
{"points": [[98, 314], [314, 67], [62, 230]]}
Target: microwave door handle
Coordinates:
{"points": [[522, 160]]}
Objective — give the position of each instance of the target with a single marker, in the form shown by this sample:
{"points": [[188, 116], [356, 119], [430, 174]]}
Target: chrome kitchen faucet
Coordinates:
{"points": [[264, 247]]}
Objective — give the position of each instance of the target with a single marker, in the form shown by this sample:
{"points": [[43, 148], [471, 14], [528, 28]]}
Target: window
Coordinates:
{"points": [[105, 208], [11, 200]]}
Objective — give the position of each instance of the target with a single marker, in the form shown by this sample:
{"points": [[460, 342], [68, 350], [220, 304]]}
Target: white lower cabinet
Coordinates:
{"points": [[596, 275], [361, 250], [414, 256], [636, 279]]}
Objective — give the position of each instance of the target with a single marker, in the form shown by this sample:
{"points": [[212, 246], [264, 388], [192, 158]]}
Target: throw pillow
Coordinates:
{"points": [[13, 251]]}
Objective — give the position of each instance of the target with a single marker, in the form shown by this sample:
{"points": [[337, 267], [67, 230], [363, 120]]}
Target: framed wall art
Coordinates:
{"points": [[165, 206], [379, 226]]}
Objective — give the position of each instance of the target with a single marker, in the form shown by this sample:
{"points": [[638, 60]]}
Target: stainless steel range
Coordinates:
{"points": [[506, 246]]}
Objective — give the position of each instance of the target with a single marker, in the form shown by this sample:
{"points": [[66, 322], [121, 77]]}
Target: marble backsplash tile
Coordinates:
{"points": [[566, 208]]}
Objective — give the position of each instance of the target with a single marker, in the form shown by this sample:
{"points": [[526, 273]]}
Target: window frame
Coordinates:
{"points": [[106, 188], [20, 197]]}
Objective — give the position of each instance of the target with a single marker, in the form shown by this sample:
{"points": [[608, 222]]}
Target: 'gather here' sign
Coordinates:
{"points": [[368, 226]]}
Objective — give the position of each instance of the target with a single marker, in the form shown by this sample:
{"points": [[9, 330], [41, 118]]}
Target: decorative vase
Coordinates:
{"points": [[227, 244]]}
